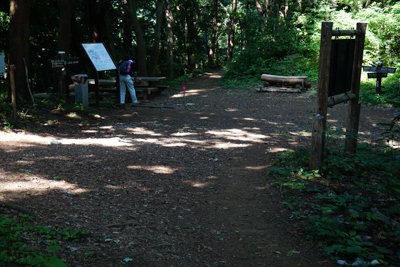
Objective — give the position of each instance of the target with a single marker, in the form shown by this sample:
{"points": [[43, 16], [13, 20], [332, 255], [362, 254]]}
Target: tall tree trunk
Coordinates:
{"points": [[157, 38], [19, 45], [100, 23], [141, 46], [286, 7], [267, 7], [211, 53], [94, 18], [190, 33], [127, 33], [277, 4], [170, 38], [66, 8], [259, 8], [232, 30]]}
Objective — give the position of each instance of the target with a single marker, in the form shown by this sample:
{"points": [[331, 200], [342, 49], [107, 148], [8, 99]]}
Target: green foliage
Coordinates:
{"points": [[16, 242], [294, 65], [177, 82], [390, 91], [38, 114], [290, 45], [392, 132], [383, 36], [338, 206]]}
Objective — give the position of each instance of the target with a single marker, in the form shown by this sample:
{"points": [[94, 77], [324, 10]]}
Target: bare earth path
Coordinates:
{"points": [[171, 187]]}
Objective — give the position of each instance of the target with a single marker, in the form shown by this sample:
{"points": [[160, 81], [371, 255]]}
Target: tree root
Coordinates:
{"points": [[17, 208]]}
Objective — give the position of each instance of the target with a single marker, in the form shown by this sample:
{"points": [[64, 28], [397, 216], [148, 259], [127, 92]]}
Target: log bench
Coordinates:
{"points": [[294, 81]]}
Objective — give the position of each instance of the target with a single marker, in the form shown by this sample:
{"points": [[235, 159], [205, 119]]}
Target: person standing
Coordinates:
{"points": [[126, 69]]}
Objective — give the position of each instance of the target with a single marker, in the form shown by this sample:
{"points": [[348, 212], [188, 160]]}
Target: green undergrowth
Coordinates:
{"points": [[293, 65], [24, 243], [48, 112], [390, 91], [344, 207]]}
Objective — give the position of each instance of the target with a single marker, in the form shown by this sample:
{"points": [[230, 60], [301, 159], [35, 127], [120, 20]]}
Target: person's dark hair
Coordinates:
{"points": [[132, 58]]}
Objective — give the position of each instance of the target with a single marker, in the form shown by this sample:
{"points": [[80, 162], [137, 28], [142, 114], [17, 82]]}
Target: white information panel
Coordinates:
{"points": [[1, 63], [99, 56]]}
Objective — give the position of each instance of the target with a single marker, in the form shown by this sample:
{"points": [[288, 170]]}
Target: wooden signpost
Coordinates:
{"points": [[378, 72], [336, 71], [61, 63]]}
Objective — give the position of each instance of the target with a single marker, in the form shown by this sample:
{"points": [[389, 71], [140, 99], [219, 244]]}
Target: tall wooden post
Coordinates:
{"points": [[354, 107], [61, 82], [13, 91], [319, 122]]}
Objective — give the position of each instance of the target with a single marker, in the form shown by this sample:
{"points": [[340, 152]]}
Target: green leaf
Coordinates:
{"points": [[353, 249], [53, 248], [54, 262], [329, 249], [384, 250]]}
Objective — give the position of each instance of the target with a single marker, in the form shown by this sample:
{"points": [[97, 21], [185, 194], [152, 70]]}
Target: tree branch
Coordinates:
{"points": [[17, 208]]}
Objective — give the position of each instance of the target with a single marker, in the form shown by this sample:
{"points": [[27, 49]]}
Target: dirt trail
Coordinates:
{"points": [[176, 187]]}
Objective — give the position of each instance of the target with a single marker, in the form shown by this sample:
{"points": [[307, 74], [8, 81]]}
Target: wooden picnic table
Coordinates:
{"points": [[151, 80], [145, 85]]}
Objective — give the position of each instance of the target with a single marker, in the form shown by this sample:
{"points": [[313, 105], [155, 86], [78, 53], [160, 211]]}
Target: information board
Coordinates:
{"points": [[99, 56], [2, 72]]}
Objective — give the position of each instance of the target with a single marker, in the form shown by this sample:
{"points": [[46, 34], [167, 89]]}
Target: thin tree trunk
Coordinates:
{"points": [[66, 8], [232, 30], [127, 33], [170, 38], [141, 46], [267, 7], [19, 44], [190, 33], [94, 21], [157, 38], [211, 53], [277, 4], [100, 23], [259, 8], [286, 7]]}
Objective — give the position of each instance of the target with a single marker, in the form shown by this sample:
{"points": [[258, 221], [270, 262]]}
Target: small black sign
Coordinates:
{"points": [[61, 63], [387, 70], [382, 70], [375, 75], [57, 63], [72, 61], [369, 68]]}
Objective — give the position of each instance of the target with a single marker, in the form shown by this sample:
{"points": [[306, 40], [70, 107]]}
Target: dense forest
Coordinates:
{"points": [[176, 37], [350, 207]]}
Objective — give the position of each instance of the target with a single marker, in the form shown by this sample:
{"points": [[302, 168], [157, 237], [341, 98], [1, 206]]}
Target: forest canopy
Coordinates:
{"points": [[175, 37]]}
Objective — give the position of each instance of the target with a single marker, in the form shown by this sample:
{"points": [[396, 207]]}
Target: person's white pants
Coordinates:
{"points": [[125, 81]]}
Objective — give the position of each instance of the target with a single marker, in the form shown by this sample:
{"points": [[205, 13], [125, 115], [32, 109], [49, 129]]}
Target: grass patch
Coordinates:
{"points": [[22, 243]]}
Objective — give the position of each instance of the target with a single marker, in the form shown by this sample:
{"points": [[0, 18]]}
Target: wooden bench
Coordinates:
{"points": [[161, 88], [143, 91]]}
